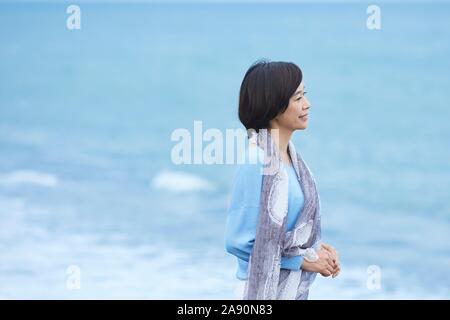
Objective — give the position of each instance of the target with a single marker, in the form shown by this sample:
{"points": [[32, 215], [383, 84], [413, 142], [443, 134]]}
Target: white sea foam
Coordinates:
{"points": [[28, 177], [394, 284], [176, 181]]}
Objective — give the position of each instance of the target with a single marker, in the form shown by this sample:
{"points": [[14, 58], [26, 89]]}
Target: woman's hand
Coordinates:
{"points": [[327, 264], [324, 265], [335, 257]]}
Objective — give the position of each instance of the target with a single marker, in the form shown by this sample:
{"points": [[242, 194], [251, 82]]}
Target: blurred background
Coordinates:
{"points": [[87, 185]]}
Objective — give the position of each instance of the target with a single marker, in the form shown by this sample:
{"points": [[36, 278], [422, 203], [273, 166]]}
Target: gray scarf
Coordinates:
{"points": [[267, 281]]}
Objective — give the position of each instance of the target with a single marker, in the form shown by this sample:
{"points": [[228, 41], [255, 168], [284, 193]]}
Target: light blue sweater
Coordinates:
{"points": [[243, 213]]}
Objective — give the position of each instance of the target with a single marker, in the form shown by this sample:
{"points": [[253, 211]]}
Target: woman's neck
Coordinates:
{"points": [[282, 141]]}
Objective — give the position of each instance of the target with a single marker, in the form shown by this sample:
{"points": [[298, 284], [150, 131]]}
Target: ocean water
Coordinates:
{"points": [[86, 177]]}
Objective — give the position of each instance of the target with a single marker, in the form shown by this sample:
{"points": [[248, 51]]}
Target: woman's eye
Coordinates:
{"points": [[301, 96]]}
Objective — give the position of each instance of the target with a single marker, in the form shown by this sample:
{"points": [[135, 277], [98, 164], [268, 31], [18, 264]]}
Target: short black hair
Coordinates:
{"points": [[265, 92]]}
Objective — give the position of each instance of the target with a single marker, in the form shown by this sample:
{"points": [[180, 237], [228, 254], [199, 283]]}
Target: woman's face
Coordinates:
{"points": [[293, 117]]}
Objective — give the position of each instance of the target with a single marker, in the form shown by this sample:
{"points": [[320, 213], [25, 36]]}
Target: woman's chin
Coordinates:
{"points": [[302, 126]]}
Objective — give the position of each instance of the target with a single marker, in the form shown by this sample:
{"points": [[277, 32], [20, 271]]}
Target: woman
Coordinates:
{"points": [[273, 222]]}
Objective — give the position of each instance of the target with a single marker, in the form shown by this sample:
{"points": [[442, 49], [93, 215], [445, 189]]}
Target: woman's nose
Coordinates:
{"points": [[307, 103]]}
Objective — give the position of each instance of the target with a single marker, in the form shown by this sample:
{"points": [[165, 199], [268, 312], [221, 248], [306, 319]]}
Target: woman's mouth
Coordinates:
{"points": [[304, 116]]}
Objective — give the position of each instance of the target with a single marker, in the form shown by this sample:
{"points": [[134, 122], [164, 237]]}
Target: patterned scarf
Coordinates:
{"points": [[267, 281]]}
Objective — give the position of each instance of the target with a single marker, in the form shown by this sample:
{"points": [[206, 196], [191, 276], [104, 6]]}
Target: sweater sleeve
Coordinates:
{"points": [[243, 215]]}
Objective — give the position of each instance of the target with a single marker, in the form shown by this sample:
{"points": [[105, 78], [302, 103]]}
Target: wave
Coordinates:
{"points": [[176, 181], [29, 177]]}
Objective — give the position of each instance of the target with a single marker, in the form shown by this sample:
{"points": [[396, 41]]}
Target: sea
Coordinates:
{"points": [[92, 205]]}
